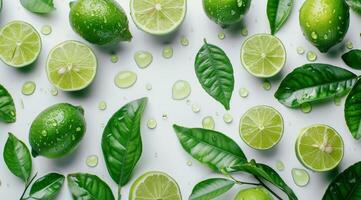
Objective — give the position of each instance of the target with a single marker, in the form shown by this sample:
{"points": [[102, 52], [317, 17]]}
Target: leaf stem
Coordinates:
{"points": [[237, 181], [28, 185], [268, 188], [119, 192]]}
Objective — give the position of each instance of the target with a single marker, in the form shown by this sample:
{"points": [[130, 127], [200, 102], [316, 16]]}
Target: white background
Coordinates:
{"points": [[162, 141]]}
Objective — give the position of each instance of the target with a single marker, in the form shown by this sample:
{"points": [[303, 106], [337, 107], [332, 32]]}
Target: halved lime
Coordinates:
{"points": [[263, 55], [261, 127], [20, 44], [319, 148], [71, 66], [158, 17], [155, 186]]}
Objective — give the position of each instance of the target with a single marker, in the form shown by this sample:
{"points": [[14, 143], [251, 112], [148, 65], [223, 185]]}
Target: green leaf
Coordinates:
{"points": [[267, 173], [211, 188], [346, 185], [355, 5], [353, 110], [353, 58], [278, 12], [7, 106], [17, 158], [214, 149], [38, 6], [215, 73], [314, 82], [87, 186], [122, 142], [46, 187]]}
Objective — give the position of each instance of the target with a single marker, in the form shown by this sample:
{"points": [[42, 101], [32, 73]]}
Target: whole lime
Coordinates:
{"points": [[324, 22], [57, 130], [257, 193], [99, 21], [226, 12]]}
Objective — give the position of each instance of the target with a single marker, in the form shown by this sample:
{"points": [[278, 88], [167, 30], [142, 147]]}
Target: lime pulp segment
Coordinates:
{"points": [[263, 55], [158, 17], [71, 66], [155, 186], [20, 44], [261, 127], [319, 148]]}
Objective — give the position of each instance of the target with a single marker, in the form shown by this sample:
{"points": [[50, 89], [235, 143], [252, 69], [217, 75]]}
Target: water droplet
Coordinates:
{"points": [[337, 100], [300, 177], [208, 123], [181, 90], [167, 52], [184, 41], [143, 59], [46, 30], [300, 50], [102, 105], [244, 31], [148, 86], [227, 118], [54, 91], [196, 108], [164, 116], [349, 45], [243, 92], [78, 129], [189, 163], [221, 35], [44, 133], [314, 35], [125, 79], [28, 88], [306, 107], [266, 84], [152, 123], [92, 161], [279, 165], [311, 56], [114, 58]]}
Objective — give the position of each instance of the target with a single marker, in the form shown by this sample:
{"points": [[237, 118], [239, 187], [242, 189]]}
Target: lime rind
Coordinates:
{"points": [[21, 47], [312, 144], [272, 127], [263, 55], [170, 13]]}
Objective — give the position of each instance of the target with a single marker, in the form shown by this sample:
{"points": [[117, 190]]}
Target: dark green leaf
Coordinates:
{"points": [[353, 58], [278, 12], [314, 82], [7, 107], [17, 157], [211, 148], [122, 142], [46, 187], [353, 110], [211, 188], [38, 6], [355, 5], [267, 173], [89, 187], [215, 73], [346, 186]]}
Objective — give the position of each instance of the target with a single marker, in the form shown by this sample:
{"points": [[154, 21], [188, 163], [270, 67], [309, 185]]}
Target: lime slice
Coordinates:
{"points": [[71, 66], [155, 186], [263, 55], [319, 148], [20, 44], [158, 17], [261, 127]]}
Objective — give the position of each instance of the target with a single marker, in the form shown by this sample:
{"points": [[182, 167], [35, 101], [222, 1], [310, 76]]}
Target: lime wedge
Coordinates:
{"points": [[155, 186], [319, 148], [20, 44], [263, 55], [71, 66], [261, 127], [158, 17]]}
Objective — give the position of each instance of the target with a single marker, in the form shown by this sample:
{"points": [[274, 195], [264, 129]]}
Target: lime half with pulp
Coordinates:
{"points": [[71, 66], [263, 55], [155, 186], [158, 17], [261, 127], [319, 148], [20, 44]]}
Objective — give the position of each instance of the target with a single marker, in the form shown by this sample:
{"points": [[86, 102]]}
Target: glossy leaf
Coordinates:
{"points": [[353, 110], [7, 106], [215, 73], [278, 12], [47, 187], [38, 6], [267, 173], [355, 5], [212, 148], [17, 158], [90, 187], [211, 188], [346, 185], [122, 142], [353, 58], [314, 82]]}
